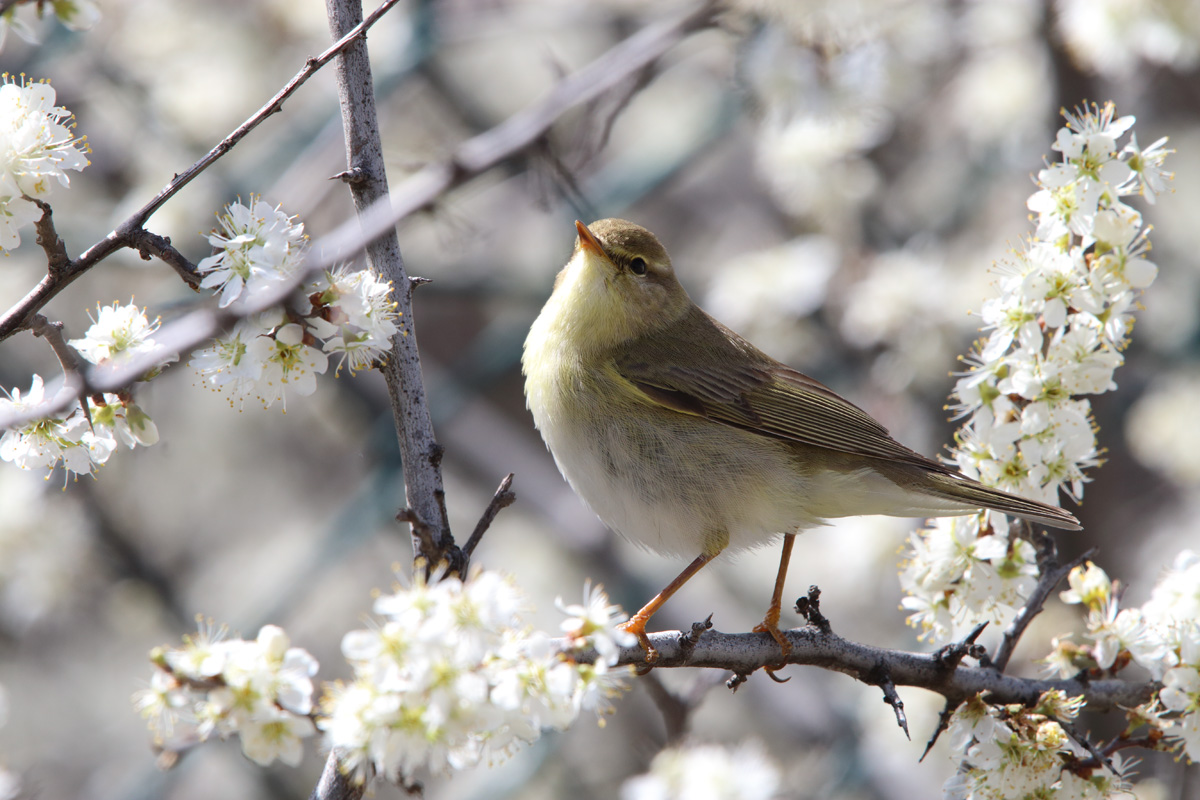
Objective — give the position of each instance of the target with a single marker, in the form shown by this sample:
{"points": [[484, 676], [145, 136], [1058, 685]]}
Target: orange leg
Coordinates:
{"points": [[770, 623], [637, 623]]}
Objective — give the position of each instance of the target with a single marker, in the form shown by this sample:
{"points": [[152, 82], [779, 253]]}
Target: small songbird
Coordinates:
{"points": [[688, 440]]}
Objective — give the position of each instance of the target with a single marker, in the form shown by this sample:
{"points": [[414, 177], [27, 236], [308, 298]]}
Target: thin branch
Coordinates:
{"points": [[951, 655], [52, 332], [1052, 573], [421, 454], [948, 658], [152, 245], [124, 235], [503, 498], [334, 784], [1083, 741], [943, 724]]}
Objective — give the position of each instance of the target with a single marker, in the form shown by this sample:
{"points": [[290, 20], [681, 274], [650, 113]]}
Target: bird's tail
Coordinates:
{"points": [[976, 494]]}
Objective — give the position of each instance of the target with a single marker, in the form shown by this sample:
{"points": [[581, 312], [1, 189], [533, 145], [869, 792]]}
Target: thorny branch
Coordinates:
{"points": [[744, 653], [1052, 573]]}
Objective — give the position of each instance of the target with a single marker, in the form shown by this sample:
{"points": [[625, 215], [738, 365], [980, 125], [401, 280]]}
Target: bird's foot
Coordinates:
{"points": [[771, 625], [637, 626]]}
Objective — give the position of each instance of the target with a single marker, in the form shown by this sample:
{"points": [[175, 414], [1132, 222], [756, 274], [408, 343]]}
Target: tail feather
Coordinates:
{"points": [[974, 493]]}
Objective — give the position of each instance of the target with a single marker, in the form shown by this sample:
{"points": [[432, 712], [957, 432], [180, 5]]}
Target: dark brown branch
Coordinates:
{"points": [[152, 245], [1052, 573], [503, 498], [949, 657], [745, 653], [48, 239], [809, 607], [1083, 741], [125, 234]]}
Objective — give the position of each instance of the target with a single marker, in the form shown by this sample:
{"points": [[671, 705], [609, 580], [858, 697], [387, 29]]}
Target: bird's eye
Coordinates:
{"points": [[637, 265]]}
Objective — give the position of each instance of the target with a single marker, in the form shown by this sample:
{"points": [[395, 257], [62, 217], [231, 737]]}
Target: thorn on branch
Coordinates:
{"points": [[951, 655], [1100, 757], [503, 498], [881, 677], [943, 723], [810, 608], [414, 281], [736, 680], [689, 640], [355, 176], [149, 244]]}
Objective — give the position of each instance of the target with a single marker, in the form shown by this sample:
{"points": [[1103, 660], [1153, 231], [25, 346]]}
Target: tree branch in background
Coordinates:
{"points": [[130, 233], [420, 452], [473, 157]]}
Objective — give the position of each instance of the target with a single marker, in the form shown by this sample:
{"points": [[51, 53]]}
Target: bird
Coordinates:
{"points": [[688, 440]]}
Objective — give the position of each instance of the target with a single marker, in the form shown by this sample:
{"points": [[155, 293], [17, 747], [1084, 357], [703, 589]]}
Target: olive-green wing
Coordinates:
{"points": [[715, 374]]}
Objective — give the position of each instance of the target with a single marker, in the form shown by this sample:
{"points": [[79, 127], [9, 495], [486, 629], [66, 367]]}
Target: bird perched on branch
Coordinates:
{"points": [[688, 440]]}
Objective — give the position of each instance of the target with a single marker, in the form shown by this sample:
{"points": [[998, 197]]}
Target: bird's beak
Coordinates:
{"points": [[589, 242]]}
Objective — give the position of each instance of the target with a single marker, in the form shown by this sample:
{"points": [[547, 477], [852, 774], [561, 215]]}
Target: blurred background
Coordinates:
{"points": [[833, 178]]}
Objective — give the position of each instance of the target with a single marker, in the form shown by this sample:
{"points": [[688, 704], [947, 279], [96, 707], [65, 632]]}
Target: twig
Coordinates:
{"points": [[951, 655], [151, 244], [1052, 575], [48, 239], [503, 498], [948, 658], [942, 724], [16, 318], [810, 608], [52, 332], [1086, 744], [689, 640], [333, 784], [881, 677]]}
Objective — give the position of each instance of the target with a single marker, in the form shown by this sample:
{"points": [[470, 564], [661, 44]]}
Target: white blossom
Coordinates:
{"points": [[451, 676], [37, 146], [117, 331], [355, 315], [259, 690], [257, 248], [597, 623], [1055, 333]]}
